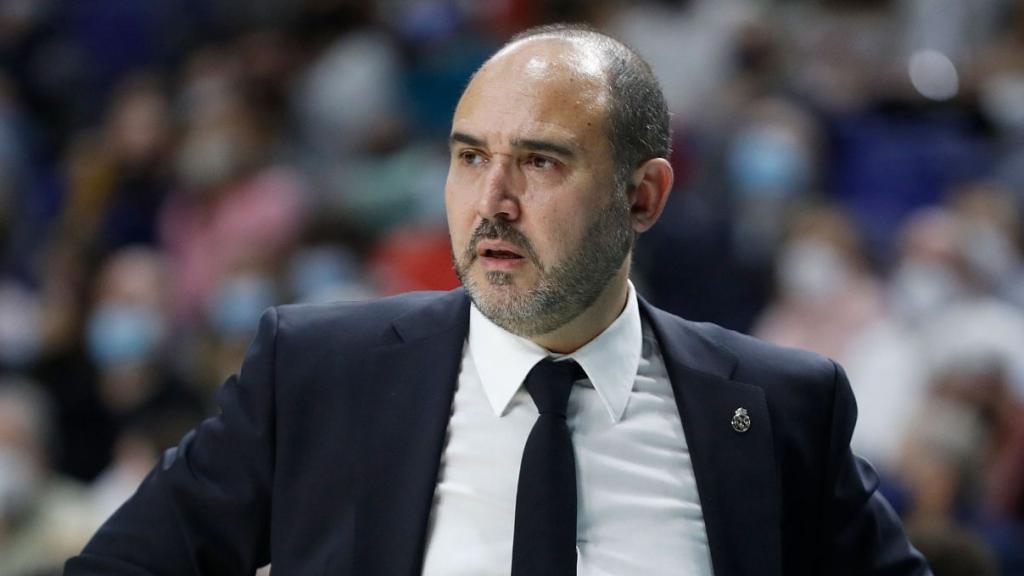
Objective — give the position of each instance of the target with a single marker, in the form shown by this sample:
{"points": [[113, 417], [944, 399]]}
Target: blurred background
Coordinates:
{"points": [[850, 179]]}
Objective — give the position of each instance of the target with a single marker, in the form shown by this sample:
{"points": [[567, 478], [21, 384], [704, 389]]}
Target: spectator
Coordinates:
{"points": [[233, 208], [42, 515], [830, 301], [119, 177], [128, 336]]}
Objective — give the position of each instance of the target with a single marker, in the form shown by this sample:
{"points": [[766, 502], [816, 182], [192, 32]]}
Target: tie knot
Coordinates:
{"points": [[549, 384]]}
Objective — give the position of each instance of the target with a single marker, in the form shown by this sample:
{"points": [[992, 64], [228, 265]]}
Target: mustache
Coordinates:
{"points": [[500, 230]]}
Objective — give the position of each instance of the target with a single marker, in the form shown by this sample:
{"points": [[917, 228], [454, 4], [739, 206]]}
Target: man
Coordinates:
{"points": [[398, 437]]}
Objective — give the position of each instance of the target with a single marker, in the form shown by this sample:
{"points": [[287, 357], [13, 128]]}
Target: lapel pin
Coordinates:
{"points": [[741, 420]]}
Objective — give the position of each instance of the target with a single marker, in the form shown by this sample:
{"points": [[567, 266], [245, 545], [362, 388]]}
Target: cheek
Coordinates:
{"points": [[460, 194], [461, 212], [560, 223], [553, 235]]}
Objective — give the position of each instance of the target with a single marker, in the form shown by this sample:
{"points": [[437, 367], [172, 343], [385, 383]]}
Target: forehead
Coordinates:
{"points": [[537, 87]]}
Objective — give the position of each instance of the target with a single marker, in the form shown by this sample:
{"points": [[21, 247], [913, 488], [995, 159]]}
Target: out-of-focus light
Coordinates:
{"points": [[933, 75]]}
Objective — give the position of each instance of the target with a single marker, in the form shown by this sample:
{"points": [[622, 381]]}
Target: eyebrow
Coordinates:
{"points": [[526, 143], [544, 146], [465, 139]]}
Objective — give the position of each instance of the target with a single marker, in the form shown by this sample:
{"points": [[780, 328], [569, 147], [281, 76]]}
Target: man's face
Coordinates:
{"points": [[539, 227]]}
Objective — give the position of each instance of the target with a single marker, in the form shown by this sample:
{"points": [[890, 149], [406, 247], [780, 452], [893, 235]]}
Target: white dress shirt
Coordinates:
{"points": [[637, 503]]}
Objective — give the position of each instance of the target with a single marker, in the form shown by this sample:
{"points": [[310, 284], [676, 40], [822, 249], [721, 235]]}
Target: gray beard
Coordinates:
{"points": [[562, 292]]}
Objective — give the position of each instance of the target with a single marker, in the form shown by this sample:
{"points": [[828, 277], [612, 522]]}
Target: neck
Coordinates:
{"points": [[592, 321]]}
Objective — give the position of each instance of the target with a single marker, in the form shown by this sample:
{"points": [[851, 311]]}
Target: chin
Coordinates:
{"points": [[495, 288], [501, 279], [496, 292]]}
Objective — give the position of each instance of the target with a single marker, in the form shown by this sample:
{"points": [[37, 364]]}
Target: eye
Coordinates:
{"points": [[541, 162], [471, 158]]}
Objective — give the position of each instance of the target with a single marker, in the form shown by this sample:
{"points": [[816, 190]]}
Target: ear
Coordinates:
{"points": [[650, 187]]}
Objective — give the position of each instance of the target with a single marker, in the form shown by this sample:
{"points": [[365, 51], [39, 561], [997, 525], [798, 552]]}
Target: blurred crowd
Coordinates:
{"points": [[850, 179]]}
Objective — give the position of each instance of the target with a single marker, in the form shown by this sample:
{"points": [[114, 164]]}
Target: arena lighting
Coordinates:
{"points": [[933, 75]]}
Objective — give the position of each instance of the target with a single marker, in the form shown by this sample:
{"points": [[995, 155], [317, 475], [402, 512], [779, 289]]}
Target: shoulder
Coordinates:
{"points": [[341, 325], [760, 360], [795, 382], [366, 312], [749, 359]]}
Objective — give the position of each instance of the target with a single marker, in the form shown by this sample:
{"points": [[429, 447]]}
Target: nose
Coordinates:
{"points": [[499, 198]]}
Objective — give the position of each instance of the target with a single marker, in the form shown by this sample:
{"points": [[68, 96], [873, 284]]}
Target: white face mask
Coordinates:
{"points": [[20, 335], [209, 160], [18, 483], [811, 270], [922, 288], [989, 252]]}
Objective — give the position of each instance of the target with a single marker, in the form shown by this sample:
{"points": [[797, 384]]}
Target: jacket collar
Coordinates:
{"points": [[408, 401]]}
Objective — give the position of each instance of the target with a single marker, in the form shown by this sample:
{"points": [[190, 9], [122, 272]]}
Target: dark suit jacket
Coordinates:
{"points": [[325, 454]]}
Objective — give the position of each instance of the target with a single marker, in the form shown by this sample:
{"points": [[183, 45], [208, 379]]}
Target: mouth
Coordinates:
{"points": [[498, 249], [499, 255]]}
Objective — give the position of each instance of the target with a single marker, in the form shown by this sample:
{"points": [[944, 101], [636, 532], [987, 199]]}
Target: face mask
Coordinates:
{"points": [[18, 482], [239, 303], [208, 161], [989, 252], [811, 270], [122, 334], [321, 274], [922, 288], [768, 163], [20, 334]]}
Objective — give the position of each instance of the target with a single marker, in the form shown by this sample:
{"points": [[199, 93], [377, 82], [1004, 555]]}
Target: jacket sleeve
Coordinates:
{"points": [[204, 508], [863, 534]]}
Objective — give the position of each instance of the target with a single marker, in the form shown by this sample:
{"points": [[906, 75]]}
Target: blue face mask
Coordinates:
{"points": [[768, 163], [316, 274], [236, 310], [123, 334]]}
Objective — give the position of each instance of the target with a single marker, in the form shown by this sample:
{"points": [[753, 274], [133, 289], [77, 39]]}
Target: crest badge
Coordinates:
{"points": [[741, 420]]}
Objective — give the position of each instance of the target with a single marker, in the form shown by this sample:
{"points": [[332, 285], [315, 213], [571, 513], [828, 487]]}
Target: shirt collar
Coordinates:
{"points": [[611, 360]]}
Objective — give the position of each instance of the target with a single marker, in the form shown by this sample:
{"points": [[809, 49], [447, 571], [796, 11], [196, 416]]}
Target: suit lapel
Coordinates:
{"points": [[405, 411], [735, 471], [407, 402]]}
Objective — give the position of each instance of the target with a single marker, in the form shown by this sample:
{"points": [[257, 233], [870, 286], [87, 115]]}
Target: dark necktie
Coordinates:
{"points": [[545, 532]]}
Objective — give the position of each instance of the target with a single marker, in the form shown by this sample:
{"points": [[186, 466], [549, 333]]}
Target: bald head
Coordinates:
{"points": [[548, 64], [636, 115]]}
